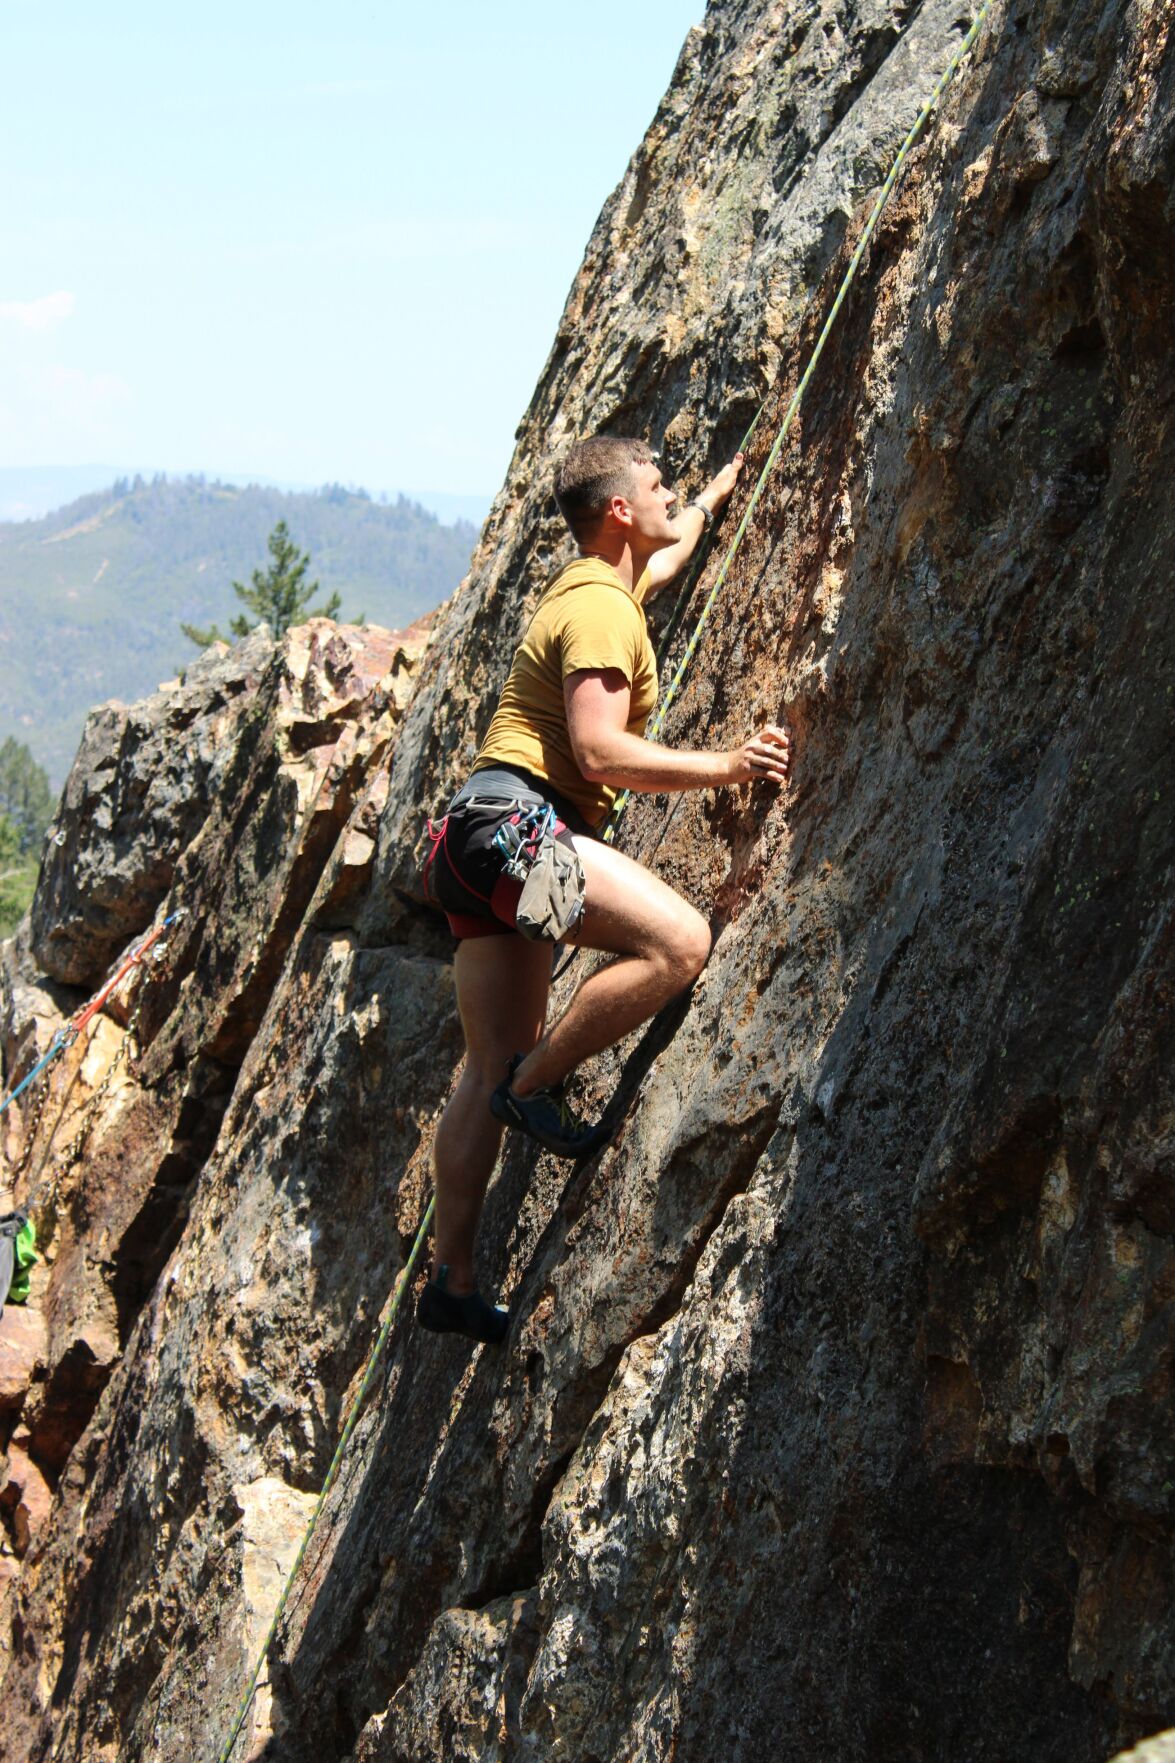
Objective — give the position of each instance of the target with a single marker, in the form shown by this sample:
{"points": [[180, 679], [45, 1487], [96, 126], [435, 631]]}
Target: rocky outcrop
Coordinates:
{"points": [[836, 1410], [140, 789], [284, 759]]}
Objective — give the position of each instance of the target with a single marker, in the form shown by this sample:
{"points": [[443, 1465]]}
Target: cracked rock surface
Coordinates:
{"points": [[835, 1417]]}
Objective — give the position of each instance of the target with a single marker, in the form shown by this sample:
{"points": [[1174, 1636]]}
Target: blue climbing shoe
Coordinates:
{"points": [[444, 1313], [546, 1118]]}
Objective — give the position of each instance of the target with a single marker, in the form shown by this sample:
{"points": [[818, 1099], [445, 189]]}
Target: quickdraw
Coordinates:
{"points": [[521, 838]]}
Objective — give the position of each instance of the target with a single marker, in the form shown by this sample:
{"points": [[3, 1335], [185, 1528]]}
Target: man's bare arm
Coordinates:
{"points": [[598, 703], [665, 565]]}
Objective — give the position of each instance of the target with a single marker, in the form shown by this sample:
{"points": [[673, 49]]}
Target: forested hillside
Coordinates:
{"points": [[92, 597]]}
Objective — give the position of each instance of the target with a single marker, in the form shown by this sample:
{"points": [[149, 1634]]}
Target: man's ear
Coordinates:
{"points": [[621, 510]]}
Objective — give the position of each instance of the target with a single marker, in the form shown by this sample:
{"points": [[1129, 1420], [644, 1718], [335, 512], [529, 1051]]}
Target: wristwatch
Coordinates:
{"points": [[707, 514]]}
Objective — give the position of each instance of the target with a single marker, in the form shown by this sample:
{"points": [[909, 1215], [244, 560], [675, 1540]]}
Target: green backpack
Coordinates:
{"points": [[18, 1253]]}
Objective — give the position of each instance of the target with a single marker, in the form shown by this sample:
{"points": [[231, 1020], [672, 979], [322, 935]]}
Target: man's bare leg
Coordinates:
{"points": [[502, 987], [662, 944]]}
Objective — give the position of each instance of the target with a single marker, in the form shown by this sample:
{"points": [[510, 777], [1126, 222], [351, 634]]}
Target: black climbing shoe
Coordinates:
{"points": [[444, 1313], [545, 1116]]}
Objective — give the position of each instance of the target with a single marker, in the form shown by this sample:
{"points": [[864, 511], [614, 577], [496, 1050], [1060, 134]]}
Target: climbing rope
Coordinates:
{"points": [[61, 1040], [621, 802], [697, 562], [331, 1477], [65, 1037], [895, 170]]}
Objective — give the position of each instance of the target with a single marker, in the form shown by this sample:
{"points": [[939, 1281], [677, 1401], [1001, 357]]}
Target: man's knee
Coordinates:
{"points": [[688, 949], [485, 1069]]}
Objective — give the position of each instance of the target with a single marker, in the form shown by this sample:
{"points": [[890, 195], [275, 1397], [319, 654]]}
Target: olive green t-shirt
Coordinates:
{"points": [[586, 619]]}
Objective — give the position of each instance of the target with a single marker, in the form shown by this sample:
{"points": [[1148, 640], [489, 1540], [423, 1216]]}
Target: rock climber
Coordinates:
{"points": [[517, 847]]}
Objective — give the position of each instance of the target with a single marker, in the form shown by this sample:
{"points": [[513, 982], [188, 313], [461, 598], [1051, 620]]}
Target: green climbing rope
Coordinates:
{"points": [[776, 448]]}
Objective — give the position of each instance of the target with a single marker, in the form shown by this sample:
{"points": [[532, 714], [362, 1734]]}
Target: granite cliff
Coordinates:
{"points": [[836, 1417]]}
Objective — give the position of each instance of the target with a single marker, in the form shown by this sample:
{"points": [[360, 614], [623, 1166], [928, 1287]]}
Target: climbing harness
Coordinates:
{"points": [[622, 800], [506, 862]]}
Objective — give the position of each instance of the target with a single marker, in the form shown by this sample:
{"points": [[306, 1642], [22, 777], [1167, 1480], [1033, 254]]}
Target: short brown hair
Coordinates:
{"points": [[593, 472]]}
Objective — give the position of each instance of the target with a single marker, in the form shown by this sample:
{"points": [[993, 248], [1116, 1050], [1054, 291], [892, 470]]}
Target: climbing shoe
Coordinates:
{"points": [[445, 1313], [545, 1117]]}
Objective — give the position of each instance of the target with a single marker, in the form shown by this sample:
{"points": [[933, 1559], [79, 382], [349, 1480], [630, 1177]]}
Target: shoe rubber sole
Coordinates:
{"points": [[512, 1111], [442, 1313]]}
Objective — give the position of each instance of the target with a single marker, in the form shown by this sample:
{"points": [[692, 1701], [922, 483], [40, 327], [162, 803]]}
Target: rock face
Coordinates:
{"points": [[140, 789], [282, 763], [836, 1414]]}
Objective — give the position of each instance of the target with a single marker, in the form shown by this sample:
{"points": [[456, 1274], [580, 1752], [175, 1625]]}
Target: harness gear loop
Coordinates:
{"points": [[436, 838], [520, 840]]}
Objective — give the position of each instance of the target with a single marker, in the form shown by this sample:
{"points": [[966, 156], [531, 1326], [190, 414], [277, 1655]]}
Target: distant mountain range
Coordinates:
{"points": [[92, 596], [28, 492]]}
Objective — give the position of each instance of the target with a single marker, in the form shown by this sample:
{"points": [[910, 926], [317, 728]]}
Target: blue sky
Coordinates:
{"points": [[303, 241]]}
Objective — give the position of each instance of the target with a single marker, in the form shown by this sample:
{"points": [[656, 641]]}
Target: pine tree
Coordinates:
{"points": [[18, 877], [26, 800], [279, 596]]}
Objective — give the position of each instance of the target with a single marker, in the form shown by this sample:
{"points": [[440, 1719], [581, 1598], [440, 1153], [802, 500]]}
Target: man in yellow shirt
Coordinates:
{"points": [[567, 737]]}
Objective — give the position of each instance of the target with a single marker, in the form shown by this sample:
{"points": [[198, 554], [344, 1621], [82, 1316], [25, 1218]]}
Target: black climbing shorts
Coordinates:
{"points": [[463, 872]]}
